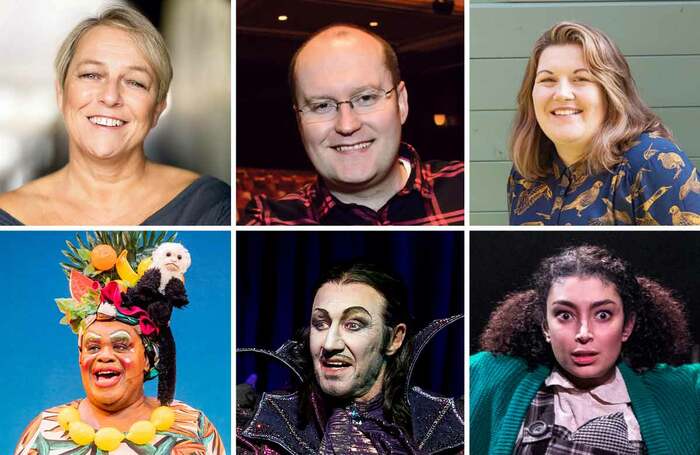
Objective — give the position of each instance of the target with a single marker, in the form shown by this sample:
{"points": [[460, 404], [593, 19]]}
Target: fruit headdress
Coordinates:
{"points": [[104, 286]]}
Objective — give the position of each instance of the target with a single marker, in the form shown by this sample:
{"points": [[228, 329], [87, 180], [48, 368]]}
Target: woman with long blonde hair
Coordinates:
{"points": [[586, 149]]}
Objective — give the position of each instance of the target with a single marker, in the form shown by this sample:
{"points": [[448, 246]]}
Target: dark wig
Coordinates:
{"points": [[660, 333], [395, 312]]}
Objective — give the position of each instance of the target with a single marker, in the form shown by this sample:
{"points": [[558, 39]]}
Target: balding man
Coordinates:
{"points": [[350, 104]]}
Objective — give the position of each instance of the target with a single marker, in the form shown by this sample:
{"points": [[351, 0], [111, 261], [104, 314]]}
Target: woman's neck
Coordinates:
{"points": [[588, 383], [104, 181], [98, 416], [570, 154]]}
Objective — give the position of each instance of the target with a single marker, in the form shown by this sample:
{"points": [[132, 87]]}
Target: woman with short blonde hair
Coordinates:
{"points": [[585, 148], [113, 73]]}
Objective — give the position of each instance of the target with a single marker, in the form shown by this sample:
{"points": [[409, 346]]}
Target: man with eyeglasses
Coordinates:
{"points": [[350, 104]]}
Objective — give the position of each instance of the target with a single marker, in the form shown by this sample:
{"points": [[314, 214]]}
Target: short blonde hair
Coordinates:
{"points": [[146, 37], [627, 116]]}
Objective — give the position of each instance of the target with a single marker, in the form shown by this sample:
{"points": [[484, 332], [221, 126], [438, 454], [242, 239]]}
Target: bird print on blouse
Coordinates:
{"points": [[653, 184], [691, 184], [683, 218]]}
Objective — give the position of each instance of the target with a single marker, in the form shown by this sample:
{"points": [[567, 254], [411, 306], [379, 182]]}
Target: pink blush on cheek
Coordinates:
{"points": [[85, 362]]}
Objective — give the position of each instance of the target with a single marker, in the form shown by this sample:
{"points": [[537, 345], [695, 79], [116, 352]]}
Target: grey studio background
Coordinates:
{"points": [[660, 39], [193, 133]]}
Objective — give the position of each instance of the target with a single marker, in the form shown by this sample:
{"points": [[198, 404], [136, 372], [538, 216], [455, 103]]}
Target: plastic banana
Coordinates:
{"points": [[124, 270]]}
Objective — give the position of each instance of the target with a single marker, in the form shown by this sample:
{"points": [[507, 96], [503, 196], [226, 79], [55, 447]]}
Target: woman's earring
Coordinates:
{"points": [[546, 337]]}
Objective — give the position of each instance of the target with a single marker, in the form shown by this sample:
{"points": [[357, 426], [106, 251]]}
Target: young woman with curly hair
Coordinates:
{"points": [[585, 147], [579, 364]]}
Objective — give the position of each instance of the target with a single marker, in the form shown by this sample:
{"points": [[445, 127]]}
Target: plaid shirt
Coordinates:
{"points": [[433, 195], [605, 435]]}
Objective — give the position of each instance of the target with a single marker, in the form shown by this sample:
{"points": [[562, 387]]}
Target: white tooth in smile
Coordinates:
{"points": [[352, 148], [566, 112], [104, 121]]}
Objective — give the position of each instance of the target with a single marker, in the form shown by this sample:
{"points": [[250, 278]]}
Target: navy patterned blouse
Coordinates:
{"points": [[655, 183]]}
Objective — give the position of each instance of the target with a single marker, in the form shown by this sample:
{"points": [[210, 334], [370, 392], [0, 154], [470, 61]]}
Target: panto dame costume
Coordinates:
{"points": [[273, 424], [522, 411], [144, 300], [655, 183]]}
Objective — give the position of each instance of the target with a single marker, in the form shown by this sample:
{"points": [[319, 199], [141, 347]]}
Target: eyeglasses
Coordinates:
{"points": [[322, 110]]}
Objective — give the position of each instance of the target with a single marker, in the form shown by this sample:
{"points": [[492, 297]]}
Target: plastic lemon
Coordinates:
{"points": [[162, 417], [108, 439], [141, 432], [81, 433], [67, 415]]}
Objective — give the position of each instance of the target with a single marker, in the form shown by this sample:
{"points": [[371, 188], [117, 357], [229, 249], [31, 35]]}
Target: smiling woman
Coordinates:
{"points": [[113, 75], [579, 363], [585, 147]]}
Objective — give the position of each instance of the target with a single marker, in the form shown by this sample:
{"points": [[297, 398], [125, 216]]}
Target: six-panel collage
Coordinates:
{"points": [[350, 293]]}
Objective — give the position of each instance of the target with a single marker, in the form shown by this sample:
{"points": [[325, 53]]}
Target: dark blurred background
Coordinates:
{"points": [[276, 273], [194, 132], [502, 262], [430, 47]]}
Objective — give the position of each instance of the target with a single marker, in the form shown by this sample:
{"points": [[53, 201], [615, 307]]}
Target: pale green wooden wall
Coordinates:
{"points": [[661, 40]]}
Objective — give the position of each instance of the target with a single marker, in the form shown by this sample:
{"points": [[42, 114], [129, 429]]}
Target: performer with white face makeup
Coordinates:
{"points": [[355, 361], [586, 150], [578, 363], [113, 74]]}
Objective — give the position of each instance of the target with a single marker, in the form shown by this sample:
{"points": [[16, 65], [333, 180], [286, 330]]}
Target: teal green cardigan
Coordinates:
{"points": [[665, 400]]}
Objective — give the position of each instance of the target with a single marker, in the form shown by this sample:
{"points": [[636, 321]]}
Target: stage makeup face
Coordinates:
{"points": [[112, 364], [347, 340], [586, 325]]}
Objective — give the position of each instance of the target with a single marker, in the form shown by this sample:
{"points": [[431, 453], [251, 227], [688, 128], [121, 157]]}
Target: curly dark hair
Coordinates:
{"points": [[395, 312], [660, 334]]}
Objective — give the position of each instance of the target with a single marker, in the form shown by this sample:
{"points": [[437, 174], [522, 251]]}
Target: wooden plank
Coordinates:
{"points": [[490, 130], [664, 81], [488, 218], [550, 2], [488, 186], [638, 28]]}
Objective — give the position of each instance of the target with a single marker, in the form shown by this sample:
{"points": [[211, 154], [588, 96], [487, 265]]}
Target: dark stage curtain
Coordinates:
{"points": [[277, 273]]}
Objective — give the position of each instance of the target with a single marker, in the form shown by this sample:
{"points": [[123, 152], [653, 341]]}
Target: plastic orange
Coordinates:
{"points": [[103, 257]]}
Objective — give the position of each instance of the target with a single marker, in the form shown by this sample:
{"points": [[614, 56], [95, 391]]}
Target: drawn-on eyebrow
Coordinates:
{"points": [[356, 309], [346, 313], [120, 335]]}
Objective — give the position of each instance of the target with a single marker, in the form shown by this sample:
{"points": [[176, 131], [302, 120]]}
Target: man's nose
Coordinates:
{"points": [[111, 93], [333, 342], [347, 121]]}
